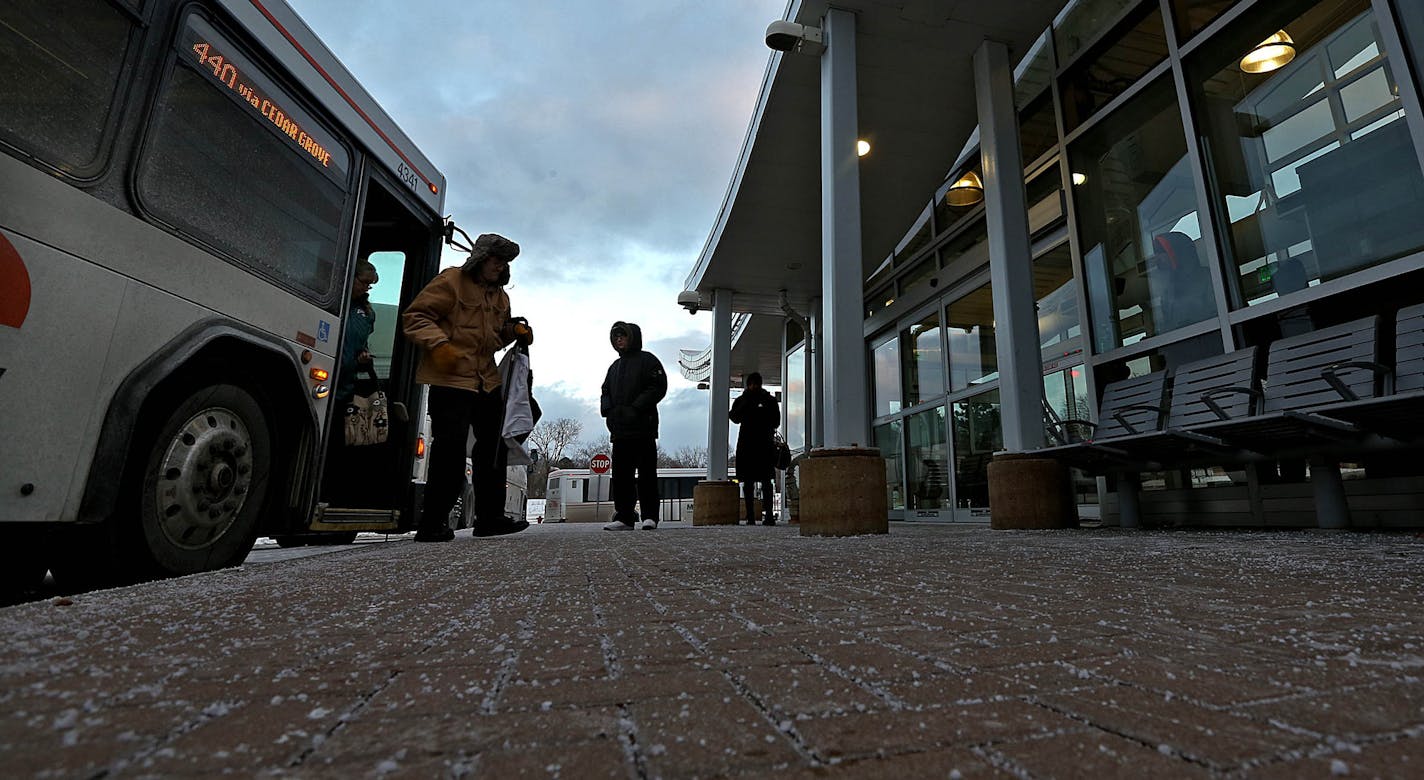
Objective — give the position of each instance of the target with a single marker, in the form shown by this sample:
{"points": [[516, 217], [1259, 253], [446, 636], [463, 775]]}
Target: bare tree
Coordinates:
{"points": [[587, 448], [689, 457], [552, 437]]}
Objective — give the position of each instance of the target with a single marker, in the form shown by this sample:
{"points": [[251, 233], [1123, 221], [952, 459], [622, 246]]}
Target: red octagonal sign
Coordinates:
{"points": [[600, 464]]}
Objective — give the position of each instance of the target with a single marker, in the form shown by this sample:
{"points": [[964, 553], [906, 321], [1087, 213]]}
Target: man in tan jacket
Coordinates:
{"points": [[460, 320]]}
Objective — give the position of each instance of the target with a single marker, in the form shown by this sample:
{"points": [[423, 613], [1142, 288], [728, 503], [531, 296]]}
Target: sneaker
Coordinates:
{"points": [[510, 526], [650, 524], [618, 525], [442, 534]]}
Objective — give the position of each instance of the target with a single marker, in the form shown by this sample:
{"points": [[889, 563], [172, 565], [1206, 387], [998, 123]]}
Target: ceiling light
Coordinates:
{"points": [[1271, 54], [1079, 179], [862, 147], [968, 191]]}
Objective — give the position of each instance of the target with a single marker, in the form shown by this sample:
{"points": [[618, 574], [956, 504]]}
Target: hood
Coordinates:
{"points": [[635, 336]]}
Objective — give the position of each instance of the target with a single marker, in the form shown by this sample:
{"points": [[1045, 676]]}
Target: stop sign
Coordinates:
{"points": [[600, 464]]}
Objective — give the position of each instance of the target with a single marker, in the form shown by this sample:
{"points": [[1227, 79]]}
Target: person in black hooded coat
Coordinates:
{"points": [[758, 414], [632, 389]]}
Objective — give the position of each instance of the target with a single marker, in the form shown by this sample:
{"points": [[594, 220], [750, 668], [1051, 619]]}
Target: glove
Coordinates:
{"points": [[523, 333], [445, 357]]}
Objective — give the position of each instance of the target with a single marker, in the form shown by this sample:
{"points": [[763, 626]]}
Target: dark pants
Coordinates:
{"points": [[749, 492], [453, 413], [629, 455]]}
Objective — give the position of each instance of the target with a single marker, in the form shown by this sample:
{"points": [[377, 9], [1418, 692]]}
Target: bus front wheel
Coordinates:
{"points": [[206, 475]]}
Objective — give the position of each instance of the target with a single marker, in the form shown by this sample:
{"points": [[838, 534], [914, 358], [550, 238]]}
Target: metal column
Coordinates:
{"points": [[815, 372], [720, 384], [845, 415], [1010, 255]]}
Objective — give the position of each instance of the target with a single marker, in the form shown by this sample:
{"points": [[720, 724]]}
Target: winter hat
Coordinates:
{"points": [[491, 245]]}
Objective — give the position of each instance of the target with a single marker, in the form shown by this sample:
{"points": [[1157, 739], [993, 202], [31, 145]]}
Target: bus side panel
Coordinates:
{"points": [[33, 204], [48, 390]]}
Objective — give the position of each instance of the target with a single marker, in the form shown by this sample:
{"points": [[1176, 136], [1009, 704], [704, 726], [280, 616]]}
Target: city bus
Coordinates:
{"points": [[580, 496], [185, 188]]}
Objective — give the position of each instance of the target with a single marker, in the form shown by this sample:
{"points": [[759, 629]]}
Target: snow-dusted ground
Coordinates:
{"points": [[565, 651]]}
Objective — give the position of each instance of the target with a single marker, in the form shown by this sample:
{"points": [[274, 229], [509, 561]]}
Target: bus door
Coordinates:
{"points": [[368, 487]]}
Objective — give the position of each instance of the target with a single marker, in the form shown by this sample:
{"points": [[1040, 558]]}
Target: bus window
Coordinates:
{"points": [[62, 61], [235, 161], [385, 299]]}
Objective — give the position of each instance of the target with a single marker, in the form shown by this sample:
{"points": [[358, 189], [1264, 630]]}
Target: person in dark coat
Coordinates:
{"points": [[632, 389], [759, 416]]}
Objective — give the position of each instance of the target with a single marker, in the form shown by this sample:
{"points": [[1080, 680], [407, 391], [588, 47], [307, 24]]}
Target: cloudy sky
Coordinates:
{"points": [[601, 136]]}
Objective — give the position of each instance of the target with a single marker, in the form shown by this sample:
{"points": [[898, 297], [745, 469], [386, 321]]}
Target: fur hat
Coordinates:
{"points": [[491, 245]]}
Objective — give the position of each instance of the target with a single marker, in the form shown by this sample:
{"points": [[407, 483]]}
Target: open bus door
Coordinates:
{"points": [[368, 488]]}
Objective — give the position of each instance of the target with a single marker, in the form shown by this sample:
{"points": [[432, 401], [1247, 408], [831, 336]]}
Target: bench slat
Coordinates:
{"points": [[1409, 348], [1233, 370], [1293, 366]]}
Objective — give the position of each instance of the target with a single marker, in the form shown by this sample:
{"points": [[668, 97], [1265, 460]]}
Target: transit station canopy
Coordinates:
{"points": [[916, 101]]}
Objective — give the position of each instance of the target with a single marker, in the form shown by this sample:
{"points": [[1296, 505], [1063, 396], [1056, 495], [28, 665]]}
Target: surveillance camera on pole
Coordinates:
{"points": [[782, 35]]}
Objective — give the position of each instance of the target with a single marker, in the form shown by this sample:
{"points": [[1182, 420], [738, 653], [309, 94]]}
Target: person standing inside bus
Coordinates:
{"points": [[355, 346], [632, 389], [460, 320], [758, 414]]}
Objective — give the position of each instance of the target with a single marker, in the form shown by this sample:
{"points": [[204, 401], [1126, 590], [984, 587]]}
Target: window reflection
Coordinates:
{"points": [[978, 434], [795, 428], [887, 438], [1057, 305], [924, 360], [1137, 216], [970, 330], [927, 460], [1315, 168], [886, 359], [1100, 76]]}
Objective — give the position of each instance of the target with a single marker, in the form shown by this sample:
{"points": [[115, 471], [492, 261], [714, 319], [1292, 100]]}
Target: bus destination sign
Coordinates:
{"points": [[212, 56]]}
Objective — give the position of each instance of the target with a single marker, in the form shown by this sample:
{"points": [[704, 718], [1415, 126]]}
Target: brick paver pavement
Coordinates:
{"points": [[714, 652]]}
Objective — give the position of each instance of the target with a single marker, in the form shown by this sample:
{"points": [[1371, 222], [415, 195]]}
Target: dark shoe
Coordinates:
{"points": [[507, 527], [441, 534], [769, 521]]}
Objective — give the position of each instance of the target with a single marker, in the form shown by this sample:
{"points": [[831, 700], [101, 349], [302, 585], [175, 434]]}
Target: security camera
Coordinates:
{"points": [[690, 300], [782, 35]]}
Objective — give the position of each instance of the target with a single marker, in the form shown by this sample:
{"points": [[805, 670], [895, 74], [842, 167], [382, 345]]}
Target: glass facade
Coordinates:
{"points": [[1195, 204], [924, 360], [887, 438], [885, 362], [970, 326], [1303, 158], [1138, 222], [978, 434], [795, 427], [927, 460]]}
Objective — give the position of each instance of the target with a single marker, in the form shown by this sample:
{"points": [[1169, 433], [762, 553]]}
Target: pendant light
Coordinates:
{"points": [[968, 191], [1271, 54]]}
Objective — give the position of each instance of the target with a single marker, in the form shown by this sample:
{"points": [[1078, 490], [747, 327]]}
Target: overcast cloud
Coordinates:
{"points": [[599, 135]]}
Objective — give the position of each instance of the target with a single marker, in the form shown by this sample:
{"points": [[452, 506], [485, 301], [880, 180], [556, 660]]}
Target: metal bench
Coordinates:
{"points": [[1398, 415]]}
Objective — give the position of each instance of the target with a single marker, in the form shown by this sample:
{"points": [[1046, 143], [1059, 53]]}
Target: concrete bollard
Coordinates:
{"points": [[715, 503], [843, 492], [1026, 491]]}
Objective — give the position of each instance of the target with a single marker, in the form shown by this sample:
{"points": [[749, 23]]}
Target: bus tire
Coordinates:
{"points": [[207, 468]]}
